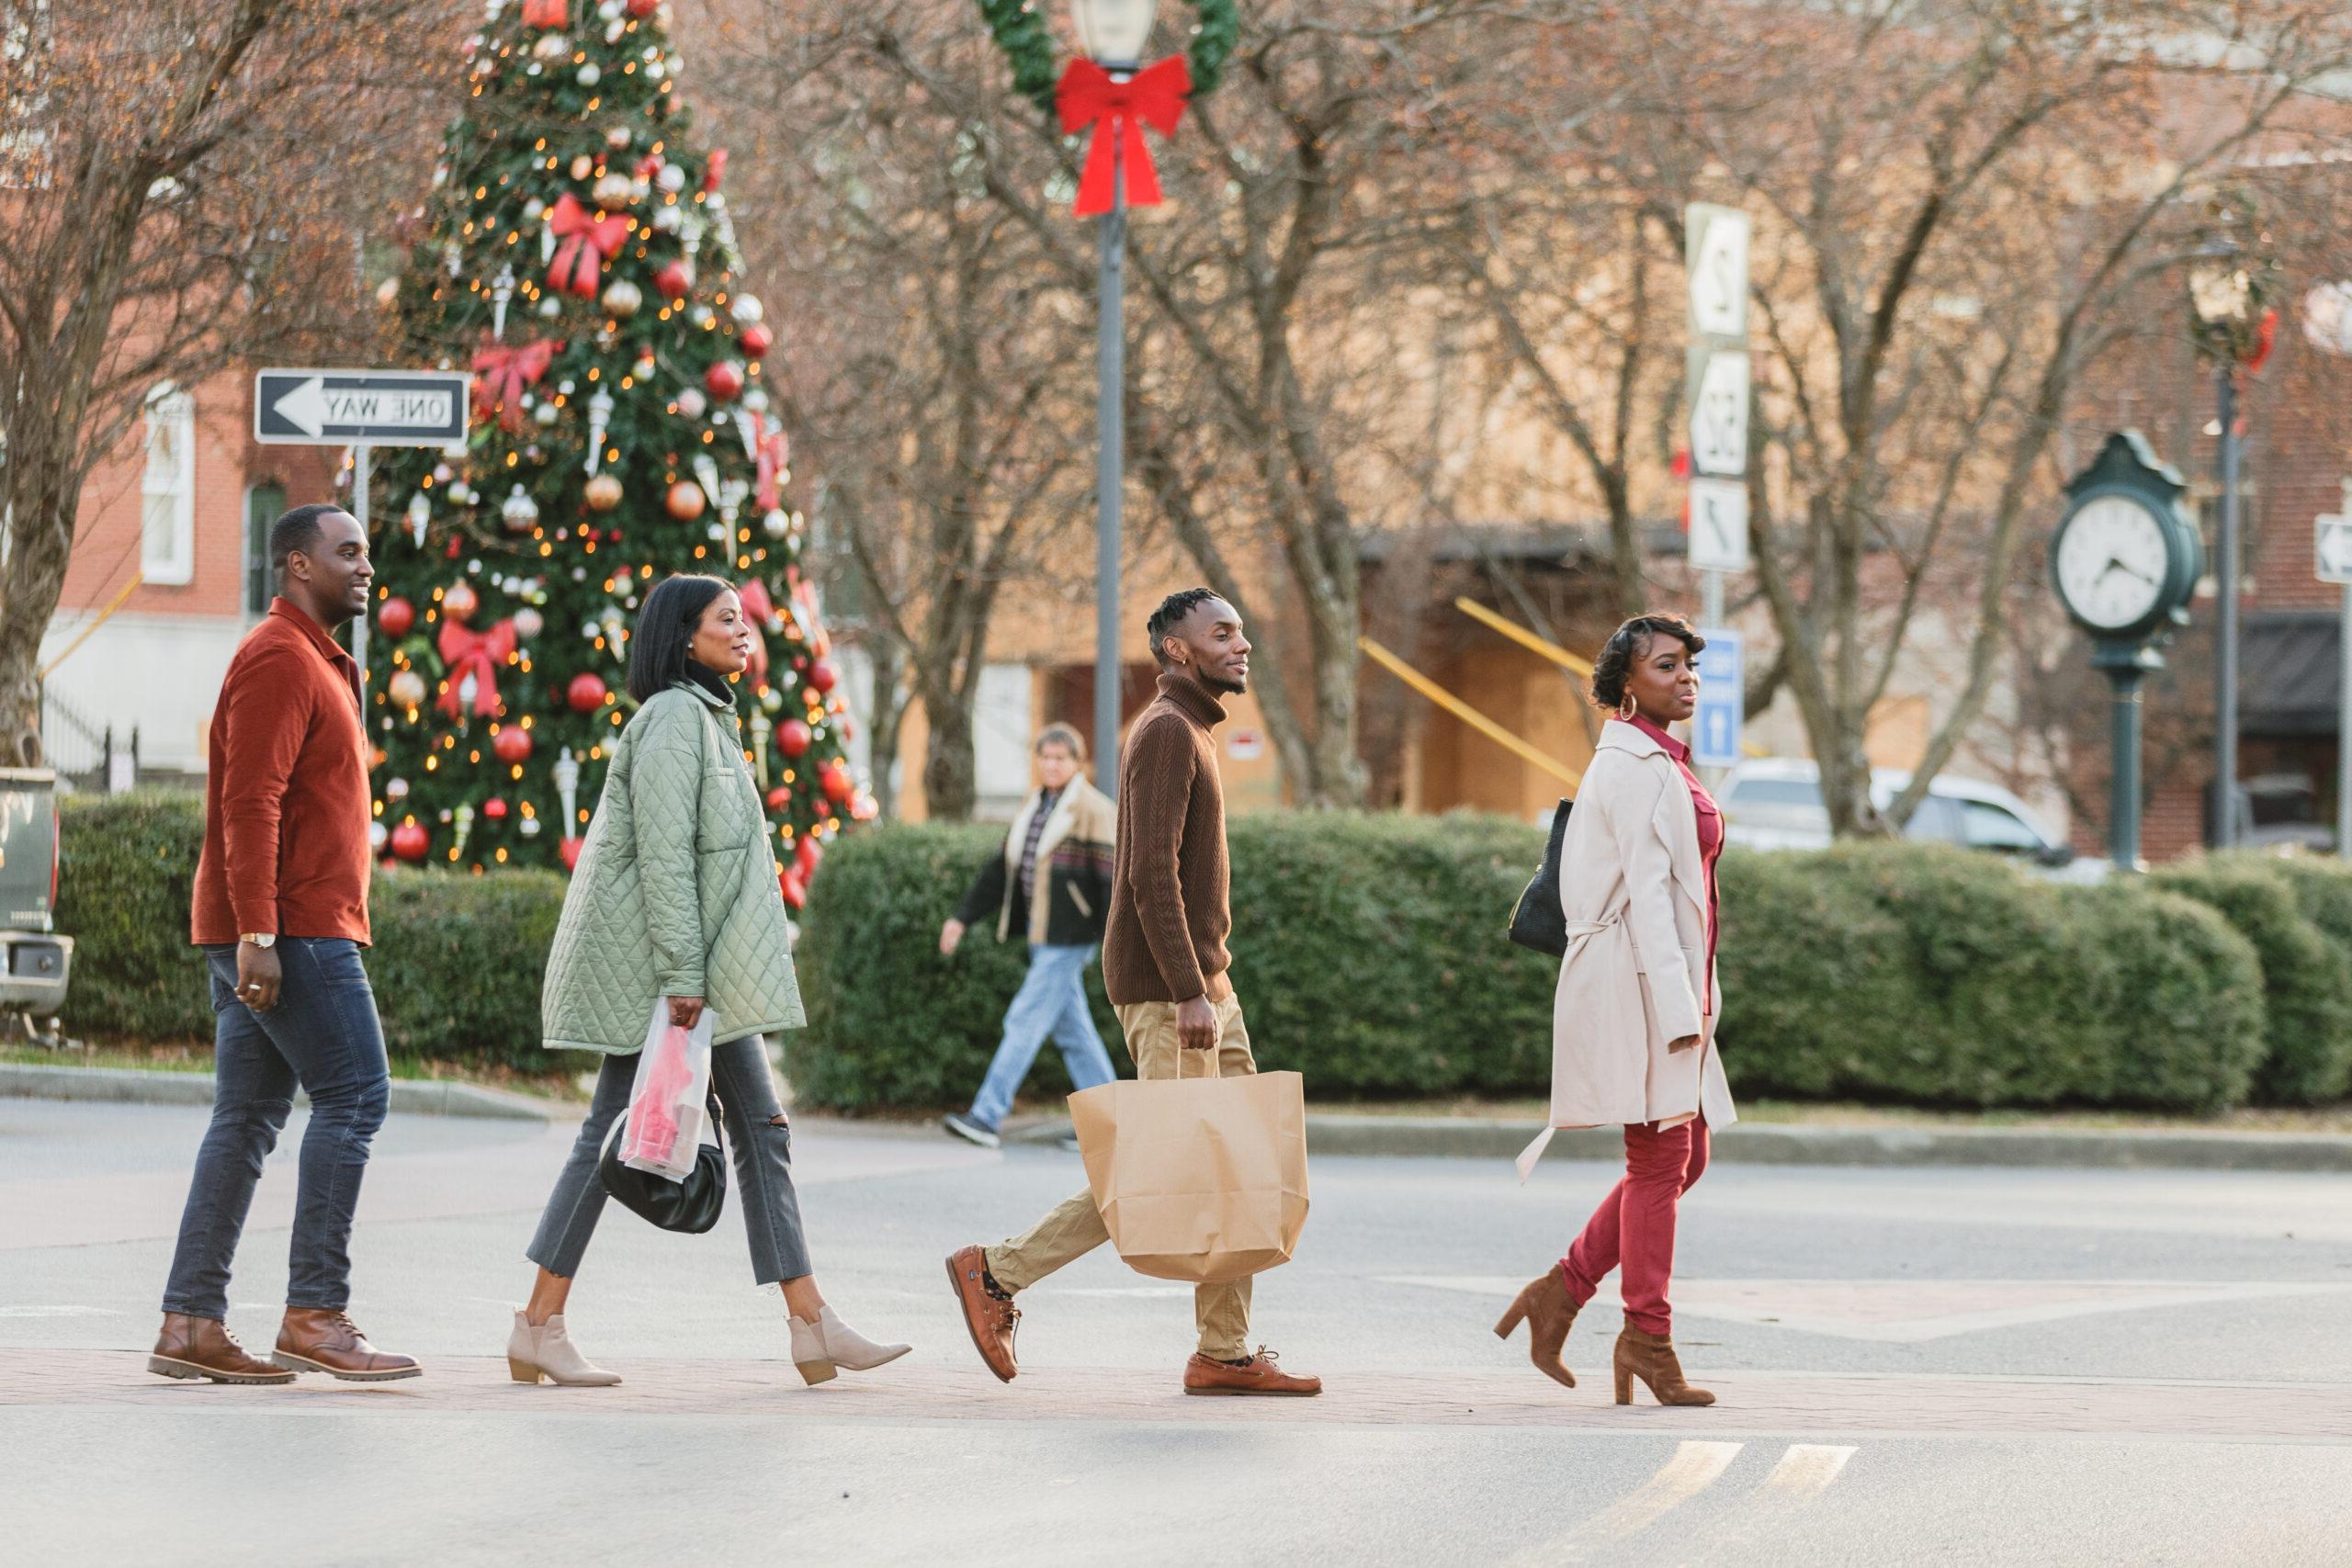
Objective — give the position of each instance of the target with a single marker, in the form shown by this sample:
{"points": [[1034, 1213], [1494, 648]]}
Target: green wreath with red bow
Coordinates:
{"points": [[1083, 95]]}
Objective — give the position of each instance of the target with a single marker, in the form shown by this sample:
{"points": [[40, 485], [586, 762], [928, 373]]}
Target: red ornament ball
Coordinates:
{"points": [[674, 279], [586, 694], [837, 782], [494, 807], [683, 502], [755, 340], [779, 798], [570, 850], [641, 10], [410, 841], [822, 677], [725, 380], [395, 617], [795, 892], [793, 736], [512, 744], [458, 601]]}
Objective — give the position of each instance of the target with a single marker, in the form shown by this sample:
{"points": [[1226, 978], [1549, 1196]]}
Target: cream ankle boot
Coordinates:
{"points": [[821, 1348], [547, 1351]]}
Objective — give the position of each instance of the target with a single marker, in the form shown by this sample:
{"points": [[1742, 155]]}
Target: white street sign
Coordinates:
{"points": [[1719, 416], [382, 408], [1719, 524], [2332, 549], [1715, 249]]}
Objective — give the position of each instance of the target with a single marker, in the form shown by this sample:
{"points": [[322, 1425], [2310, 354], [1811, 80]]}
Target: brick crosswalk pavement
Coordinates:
{"points": [[1748, 1401]]}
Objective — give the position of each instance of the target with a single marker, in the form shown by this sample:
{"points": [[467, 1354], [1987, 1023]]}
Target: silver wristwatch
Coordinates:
{"points": [[263, 940]]}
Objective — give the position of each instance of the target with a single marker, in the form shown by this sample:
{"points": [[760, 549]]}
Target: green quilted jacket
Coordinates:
{"points": [[675, 891]]}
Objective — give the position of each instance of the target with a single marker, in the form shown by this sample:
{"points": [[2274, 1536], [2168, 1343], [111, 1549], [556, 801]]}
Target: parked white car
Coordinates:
{"points": [[1774, 803]]}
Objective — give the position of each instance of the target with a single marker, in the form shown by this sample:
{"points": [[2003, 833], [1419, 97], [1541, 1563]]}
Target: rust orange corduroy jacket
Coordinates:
{"points": [[286, 791]]}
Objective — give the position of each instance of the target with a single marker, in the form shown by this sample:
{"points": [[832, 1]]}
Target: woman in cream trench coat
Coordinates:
{"points": [[1633, 1019]]}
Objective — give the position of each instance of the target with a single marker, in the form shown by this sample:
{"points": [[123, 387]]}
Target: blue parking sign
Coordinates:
{"points": [[1714, 728]]}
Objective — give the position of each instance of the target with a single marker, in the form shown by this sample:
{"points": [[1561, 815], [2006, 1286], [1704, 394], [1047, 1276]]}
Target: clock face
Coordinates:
{"points": [[2113, 562]]}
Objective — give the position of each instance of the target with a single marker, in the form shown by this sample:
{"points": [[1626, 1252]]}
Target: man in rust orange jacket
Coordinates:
{"points": [[281, 914]]}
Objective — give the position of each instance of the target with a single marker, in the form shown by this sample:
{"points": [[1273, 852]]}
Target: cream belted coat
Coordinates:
{"points": [[1636, 896]]}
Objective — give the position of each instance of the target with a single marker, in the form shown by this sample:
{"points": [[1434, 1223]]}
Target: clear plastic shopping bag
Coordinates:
{"points": [[667, 1104]]}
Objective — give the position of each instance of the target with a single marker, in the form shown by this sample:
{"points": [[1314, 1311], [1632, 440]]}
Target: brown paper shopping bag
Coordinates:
{"points": [[1201, 1179]]}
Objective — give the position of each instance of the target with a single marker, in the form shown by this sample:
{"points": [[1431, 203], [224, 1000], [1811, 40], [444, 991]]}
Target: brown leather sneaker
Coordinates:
{"points": [[314, 1339], [988, 1313], [1252, 1374], [203, 1347]]}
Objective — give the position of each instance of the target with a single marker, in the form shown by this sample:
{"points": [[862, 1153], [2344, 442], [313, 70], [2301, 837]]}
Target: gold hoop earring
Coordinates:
{"points": [[1628, 709]]}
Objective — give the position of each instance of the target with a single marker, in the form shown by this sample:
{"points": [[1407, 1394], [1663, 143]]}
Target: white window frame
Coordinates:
{"points": [[167, 490]]}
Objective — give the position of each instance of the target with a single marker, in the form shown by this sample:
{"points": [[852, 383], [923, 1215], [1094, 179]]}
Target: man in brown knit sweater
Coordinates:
{"points": [[1164, 964]]}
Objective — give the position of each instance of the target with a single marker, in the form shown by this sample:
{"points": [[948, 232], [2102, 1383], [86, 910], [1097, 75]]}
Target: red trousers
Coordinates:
{"points": [[1632, 1230]]}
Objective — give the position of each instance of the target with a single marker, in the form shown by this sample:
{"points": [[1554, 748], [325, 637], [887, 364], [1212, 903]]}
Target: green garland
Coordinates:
{"points": [[1020, 31]]}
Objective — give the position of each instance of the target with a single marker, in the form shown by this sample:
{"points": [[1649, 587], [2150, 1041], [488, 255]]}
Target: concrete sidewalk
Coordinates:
{"points": [[1448, 1137]]}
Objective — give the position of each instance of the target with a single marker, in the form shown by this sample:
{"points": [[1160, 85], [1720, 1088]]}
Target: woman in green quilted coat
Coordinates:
{"points": [[674, 902]]}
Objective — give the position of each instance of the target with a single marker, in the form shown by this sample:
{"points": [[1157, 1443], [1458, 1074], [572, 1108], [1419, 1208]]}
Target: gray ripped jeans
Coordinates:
{"points": [[756, 1138]]}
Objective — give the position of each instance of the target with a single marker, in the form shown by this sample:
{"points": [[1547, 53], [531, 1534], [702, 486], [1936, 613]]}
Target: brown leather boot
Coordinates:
{"points": [[1550, 1315], [1251, 1374], [314, 1339], [1651, 1357], [203, 1347], [988, 1313]]}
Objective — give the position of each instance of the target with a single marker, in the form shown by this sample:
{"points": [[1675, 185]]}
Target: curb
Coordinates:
{"points": [[1795, 1143], [138, 1086]]}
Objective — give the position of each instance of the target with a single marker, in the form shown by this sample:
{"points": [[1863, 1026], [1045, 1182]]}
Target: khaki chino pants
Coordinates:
{"points": [[1074, 1228]]}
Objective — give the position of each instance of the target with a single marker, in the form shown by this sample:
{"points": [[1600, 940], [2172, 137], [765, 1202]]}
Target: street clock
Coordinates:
{"points": [[2126, 557], [2125, 561]]}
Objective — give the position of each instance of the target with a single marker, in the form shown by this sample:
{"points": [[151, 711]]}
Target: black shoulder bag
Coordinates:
{"points": [[691, 1204], [1537, 923]]}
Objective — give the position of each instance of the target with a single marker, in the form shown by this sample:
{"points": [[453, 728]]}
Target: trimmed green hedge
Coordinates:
{"points": [[455, 965], [1370, 953]]}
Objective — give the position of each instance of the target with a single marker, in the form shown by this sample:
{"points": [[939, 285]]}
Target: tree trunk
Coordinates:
{"points": [[44, 497], [949, 785], [886, 724]]}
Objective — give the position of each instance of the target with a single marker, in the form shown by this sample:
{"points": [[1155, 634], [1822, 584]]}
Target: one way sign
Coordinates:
{"points": [[372, 408]]}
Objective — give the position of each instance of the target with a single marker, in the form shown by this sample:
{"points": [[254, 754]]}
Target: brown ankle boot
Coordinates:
{"points": [[1550, 1315], [203, 1347], [314, 1339], [1650, 1357]]}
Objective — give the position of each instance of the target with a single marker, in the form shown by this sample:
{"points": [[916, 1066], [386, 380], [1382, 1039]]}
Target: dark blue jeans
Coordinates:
{"points": [[322, 1034]]}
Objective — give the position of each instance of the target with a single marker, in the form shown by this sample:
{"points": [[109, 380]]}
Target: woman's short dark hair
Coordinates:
{"points": [[1629, 643], [665, 630]]}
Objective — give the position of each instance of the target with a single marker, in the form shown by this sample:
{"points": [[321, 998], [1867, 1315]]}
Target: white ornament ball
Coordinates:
{"points": [[772, 699], [718, 531], [614, 31], [579, 574], [653, 72], [528, 827], [534, 209], [376, 834], [691, 403], [528, 623], [671, 178], [778, 523], [668, 219], [702, 315], [551, 307], [552, 46], [591, 73], [756, 398], [532, 69], [746, 308], [442, 474], [396, 789], [610, 10], [546, 413]]}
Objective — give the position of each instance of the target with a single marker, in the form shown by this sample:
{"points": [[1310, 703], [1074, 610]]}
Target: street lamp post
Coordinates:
{"points": [[2222, 294], [1111, 33]]}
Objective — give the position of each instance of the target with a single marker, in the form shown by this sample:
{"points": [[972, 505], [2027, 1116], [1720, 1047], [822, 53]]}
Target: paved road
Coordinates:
{"points": [[1932, 1367]]}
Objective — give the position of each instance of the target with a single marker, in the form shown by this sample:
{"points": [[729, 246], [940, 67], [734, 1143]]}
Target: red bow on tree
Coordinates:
{"points": [[757, 609], [467, 652], [774, 454], [587, 241], [1087, 95], [501, 373]]}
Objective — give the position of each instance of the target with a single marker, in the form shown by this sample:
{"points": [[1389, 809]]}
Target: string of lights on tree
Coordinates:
{"points": [[578, 256]]}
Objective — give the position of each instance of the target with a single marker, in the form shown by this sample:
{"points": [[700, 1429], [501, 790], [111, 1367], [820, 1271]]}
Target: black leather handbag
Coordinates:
{"points": [[691, 1204], [1537, 923]]}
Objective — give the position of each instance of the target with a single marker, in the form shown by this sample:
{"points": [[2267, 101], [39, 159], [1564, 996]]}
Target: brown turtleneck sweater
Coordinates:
{"points": [[1171, 898]]}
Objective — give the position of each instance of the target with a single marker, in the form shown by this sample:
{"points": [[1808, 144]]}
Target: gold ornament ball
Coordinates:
{"points": [[684, 501], [622, 299], [603, 493], [582, 166], [407, 688]]}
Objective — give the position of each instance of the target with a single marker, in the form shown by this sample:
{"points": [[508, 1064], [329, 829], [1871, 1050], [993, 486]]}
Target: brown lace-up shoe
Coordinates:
{"points": [[203, 1347], [1651, 1357], [1549, 1315], [989, 1311], [314, 1339], [1251, 1374]]}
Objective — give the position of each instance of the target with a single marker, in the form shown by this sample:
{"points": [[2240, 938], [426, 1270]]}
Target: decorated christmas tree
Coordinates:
{"points": [[577, 256]]}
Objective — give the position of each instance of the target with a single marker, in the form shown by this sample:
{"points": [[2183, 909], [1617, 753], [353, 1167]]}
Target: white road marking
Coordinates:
{"points": [[1693, 1468], [1806, 1472]]}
